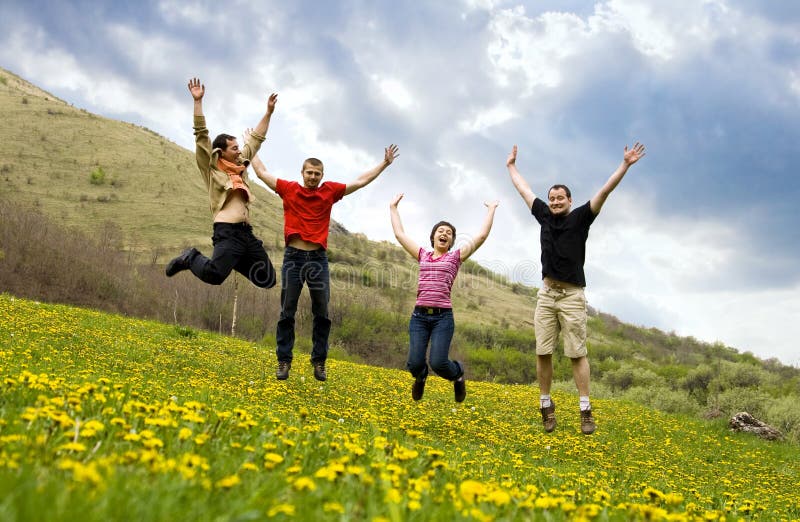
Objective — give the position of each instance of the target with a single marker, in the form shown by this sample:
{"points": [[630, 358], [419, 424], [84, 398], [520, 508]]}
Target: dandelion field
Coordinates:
{"points": [[108, 418]]}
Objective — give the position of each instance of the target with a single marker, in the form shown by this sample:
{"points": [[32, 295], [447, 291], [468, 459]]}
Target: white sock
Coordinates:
{"points": [[544, 401], [585, 405]]}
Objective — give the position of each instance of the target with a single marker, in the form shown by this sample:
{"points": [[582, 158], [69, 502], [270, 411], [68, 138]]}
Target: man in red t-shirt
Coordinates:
{"points": [[307, 217]]}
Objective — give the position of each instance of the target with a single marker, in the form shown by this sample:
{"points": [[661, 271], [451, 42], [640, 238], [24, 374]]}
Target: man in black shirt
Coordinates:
{"points": [[561, 304]]}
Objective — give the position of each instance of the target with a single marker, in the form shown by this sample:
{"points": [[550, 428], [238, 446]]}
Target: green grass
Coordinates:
{"points": [[108, 418]]}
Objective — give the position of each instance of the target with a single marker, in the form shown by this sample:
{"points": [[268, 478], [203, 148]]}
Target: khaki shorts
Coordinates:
{"points": [[561, 310]]}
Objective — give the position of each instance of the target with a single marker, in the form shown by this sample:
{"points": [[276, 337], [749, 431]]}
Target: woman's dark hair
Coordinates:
{"points": [[221, 141], [446, 224]]}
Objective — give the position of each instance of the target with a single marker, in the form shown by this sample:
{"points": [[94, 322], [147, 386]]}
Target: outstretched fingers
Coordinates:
{"points": [[390, 153], [396, 200], [196, 88]]}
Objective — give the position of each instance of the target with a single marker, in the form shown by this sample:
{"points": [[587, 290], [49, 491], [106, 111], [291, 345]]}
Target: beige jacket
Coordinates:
{"points": [[217, 181]]}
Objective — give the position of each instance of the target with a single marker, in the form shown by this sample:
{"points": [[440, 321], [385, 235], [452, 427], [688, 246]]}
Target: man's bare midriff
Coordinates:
{"points": [[558, 285], [235, 209], [302, 244]]}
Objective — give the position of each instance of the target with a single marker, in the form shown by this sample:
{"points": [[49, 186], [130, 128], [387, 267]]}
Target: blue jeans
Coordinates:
{"points": [[437, 329], [311, 268]]}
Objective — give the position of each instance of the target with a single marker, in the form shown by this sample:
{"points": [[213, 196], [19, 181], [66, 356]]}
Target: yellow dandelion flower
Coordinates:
{"points": [[333, 507], [394, 496], [304, 484], [86, 473], [673, 499], [281, 509], [653, 495], [184, 433], [471, 489], [249, 466], [228, 482], [401, 453], [499, 497], [153, 443], [72, 446]]}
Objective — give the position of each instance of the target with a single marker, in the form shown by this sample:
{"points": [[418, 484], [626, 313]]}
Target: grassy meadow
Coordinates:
{"points": [[109, 418]]}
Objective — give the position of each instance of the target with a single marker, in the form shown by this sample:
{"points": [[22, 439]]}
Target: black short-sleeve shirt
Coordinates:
{"points": [[563, 240]]}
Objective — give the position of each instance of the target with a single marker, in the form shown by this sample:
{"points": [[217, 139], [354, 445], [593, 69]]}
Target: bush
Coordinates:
{"points": [[97, 177], [729, 402], [501, 365], [628, 375], [662, 398], [784, 415]]}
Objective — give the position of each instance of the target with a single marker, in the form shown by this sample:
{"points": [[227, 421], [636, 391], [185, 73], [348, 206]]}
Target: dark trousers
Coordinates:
{"points": [[435, 328], [235, 248], [311, 268]]}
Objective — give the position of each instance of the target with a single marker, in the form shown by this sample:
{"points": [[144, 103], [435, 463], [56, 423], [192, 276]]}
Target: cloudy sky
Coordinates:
{"points": [[701, 237]]}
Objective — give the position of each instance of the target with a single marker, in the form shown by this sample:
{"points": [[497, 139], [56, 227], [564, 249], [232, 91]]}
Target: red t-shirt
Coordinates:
{"points": [[307, 212]]}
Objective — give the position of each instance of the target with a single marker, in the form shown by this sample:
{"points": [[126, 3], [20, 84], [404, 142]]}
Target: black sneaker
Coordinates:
{"points": [[418, 388], [182, 262], [283, 370], [460, 389], [319, 371], [549, 416]]}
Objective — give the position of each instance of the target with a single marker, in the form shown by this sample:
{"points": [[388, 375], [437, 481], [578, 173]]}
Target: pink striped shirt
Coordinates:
{"points": [[436, 278]]}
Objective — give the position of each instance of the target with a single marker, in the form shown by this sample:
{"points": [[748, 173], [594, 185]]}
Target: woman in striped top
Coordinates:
{"points": [[432, 319]]}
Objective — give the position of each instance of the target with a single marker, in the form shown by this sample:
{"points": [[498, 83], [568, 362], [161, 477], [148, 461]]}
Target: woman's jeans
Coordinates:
{"points": [[311, 268], [437, 329]]}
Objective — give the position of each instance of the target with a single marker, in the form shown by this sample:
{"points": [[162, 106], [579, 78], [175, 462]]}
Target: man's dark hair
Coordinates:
{"points": [[314, 162], [221, 141], [446, 224], [556, 187]]}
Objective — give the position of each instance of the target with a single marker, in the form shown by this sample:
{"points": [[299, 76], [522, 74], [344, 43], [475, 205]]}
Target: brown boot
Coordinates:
{"points": [[549, 416], [587, 422]]}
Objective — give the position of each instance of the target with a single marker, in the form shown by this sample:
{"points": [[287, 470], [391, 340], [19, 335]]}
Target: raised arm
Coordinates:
{"points": [[263, 125], [389, 154], [629, 157], [516, 178], [406, 242], [475, 243], [263, 174], [202, 154]]}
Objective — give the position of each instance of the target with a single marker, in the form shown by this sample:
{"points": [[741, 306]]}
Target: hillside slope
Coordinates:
{"points": [[151, 189], [104, 417]]}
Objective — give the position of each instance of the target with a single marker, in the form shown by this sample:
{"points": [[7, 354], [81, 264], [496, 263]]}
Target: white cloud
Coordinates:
{"points": [[180, 12], [533, 47], [394, 91], [483, 119], [152, 54]]}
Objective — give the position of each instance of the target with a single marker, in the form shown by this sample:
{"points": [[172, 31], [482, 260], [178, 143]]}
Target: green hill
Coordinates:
{"points": [[108, 418], [84, 170]]}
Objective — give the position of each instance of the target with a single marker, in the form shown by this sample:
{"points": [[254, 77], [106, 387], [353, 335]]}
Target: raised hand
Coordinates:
{"points": [[512, 157], [492, 204], [396, 200], [633, 154], [389, 154], [273, 98], [196, 89]]}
